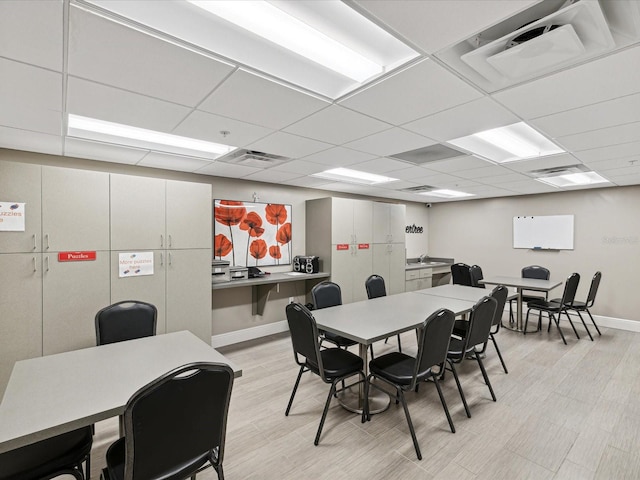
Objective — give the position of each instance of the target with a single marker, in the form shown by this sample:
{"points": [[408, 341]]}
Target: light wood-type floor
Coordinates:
{"points": [[563, 412]]}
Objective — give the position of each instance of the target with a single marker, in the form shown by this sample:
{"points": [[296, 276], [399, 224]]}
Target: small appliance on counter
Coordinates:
{"points": [[306, 264], [220, 271], [239, 273]]}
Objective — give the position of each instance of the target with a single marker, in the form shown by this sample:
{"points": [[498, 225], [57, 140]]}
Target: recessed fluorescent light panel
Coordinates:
{"points": [[353, 176], [115, 133], [444, 193], [507, 144], [573, 179], [325, 46]]}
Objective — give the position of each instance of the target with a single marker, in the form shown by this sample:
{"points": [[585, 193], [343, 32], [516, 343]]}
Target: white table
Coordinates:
{"points": [[47, 396], [521, 284], [372, 320], [459, 292]]}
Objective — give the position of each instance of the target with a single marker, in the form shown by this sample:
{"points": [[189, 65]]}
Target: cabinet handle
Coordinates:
{"points": [[46, 241], [161, 259], [161, 241], [35, 243], [35, 265], [169, 255], [46, 260], [169, 241]]}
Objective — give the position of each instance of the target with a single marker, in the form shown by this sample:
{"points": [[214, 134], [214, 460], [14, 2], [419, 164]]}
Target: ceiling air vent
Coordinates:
{"points": [[429, 154], [563, 170], [253, 158], [419, 189]]}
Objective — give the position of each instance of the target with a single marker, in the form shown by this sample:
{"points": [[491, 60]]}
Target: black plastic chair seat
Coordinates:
{"points": [[456, 347], [576, 305], [46, 457], [337, 363], [460, 328], [532, 298], [546, 306], [338, 340], [397, 368]]}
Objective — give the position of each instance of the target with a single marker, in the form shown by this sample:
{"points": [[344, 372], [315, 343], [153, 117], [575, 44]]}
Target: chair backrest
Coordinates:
{"points": [[595, 283], [536, 271], [460, 274], [125, 320], [480, 322], [304, 334], [433, 340], [500, 294], [326, 294], [172, 424], [570, 289], [375, 286], [475, 272]]}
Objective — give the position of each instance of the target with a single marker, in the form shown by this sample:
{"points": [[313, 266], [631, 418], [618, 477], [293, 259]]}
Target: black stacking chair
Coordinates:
{"points": [[328, 294], [578, 307], [404, 372], [126, 320], [532, 271], [460, 274], [60, 455], [500, 294], [475, 272], [555, 309], [477, 334], [332, 365], [175, 426], [375, 288]]}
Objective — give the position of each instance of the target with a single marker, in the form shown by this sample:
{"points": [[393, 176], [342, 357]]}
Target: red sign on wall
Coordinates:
{"points": [[363, 246], [76, 256], [342, 246]]}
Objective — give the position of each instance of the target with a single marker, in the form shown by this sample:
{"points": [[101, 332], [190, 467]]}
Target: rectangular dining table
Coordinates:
{"points": [[51, 395], [521, 284], [369, 321]]}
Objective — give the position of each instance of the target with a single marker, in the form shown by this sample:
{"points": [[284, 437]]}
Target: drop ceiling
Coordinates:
{"points": [[60, 57]]}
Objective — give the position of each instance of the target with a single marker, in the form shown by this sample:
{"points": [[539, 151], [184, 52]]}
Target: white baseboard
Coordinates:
{"points": [[608, 322], [248, 334]]}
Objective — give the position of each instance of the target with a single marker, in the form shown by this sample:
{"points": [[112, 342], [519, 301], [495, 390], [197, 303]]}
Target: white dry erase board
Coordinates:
{"points": [[549, 232]]}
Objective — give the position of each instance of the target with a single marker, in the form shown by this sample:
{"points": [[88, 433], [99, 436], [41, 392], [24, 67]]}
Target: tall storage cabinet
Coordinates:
{"points": [[389, 253]]}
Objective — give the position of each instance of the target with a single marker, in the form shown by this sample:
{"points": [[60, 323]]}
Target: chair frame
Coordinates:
{"points": [[591, 298], [459, 270], [371, 294], [526, 273], [497, 322], [99, 334], [337, 340]]}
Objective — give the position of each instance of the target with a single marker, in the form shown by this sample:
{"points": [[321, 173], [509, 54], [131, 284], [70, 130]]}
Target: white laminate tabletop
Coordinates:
{"points": [[371, 320], [525, 283], [50, 395], [460, 292]]}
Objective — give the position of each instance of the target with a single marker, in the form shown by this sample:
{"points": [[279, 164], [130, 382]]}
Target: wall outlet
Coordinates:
{"points": [[291, 299]]}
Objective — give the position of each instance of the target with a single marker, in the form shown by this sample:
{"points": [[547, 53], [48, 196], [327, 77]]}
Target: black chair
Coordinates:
{"points": [[475, 272], [500, 294], [578, 306], [332, 365], [375, 288], [328, 294], [532, 271], [480, 322], [404, 372], [125, 320], [460, 274], [174, 426], [555, 309], [60, 455]]}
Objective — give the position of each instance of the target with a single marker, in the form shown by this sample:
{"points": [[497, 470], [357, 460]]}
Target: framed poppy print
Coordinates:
{"points": [[250, 234]]}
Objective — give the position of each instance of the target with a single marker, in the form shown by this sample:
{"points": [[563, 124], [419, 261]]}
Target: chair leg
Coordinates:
{"points": [[411, 429], [87, 466], [444, 404], [324, 412], [571, 322], [593, 321], [526, 322], [486, 377], [552, 316], [220, 472], [511, 319], [583, 323], [464, 400], [293, 394], [365, 406], [371, 350], [399, 344], [495, 344]]}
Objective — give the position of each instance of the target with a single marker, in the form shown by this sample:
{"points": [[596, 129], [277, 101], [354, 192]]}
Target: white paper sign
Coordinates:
{"points": [[11, 217], [135, 264]]}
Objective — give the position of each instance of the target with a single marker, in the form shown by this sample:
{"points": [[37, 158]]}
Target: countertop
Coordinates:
{"points": [[429, 262]]}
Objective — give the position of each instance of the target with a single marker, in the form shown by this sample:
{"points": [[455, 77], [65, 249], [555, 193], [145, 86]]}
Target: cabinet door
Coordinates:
{"points": [[341, 221], [397, 260], [75, 209], [341, 271], [146, 288], [362, 221], [20, 311], [362, 269], [73, 292], [21, 183], [380, 223], [189, 292], [397, 223], [189, 215], [137, 213], [380, 262]]}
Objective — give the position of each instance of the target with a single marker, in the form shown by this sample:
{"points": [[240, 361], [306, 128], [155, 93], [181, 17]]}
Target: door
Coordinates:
{"points": [[189, 215], [21, 183]]}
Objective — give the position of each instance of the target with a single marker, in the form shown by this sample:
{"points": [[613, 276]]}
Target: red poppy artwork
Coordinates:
{"points": [[252, 233]]}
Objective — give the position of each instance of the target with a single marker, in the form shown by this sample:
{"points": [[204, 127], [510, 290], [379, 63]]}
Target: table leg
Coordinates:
{"points": [[519, 310]]}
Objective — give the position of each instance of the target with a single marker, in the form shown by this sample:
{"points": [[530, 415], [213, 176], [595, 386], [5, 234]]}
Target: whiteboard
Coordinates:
{"points": [[553, 232]]}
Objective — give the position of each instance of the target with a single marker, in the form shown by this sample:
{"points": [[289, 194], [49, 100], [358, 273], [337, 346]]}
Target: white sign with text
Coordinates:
{"points": [[12, 217], [135, 264]]}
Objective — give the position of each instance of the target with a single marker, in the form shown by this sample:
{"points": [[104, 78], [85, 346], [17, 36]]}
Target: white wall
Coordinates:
{"points": [[417, 243], [606, 238]]}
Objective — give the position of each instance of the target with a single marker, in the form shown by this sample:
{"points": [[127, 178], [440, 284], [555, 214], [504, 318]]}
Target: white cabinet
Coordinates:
{"points": [[350, 268], [22, 183], [418, 279], [389, 262], [189, 215], [389, 222], [351, 221]]}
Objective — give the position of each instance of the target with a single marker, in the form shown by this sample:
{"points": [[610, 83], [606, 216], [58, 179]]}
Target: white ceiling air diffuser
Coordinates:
{"points": [[582, 31]]}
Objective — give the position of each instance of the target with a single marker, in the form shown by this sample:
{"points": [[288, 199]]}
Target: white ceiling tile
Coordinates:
{"points": [[627, 180], [339, 156], [597, 81], [439, 180], [250, 98], [94, 100], [301, 167], [32, 32], [30, 98], [629, 170], [610, 164], [381, 165], [610, 152], [503, 179], [463, 120], [74, 147], [271, 176], [483, 172], [486, 190], [16, 139], [307, 182], [554, 161], [288, 145], [398, 185], [530, 186], [221, 169], [113, 54], [420, 90], [458, 163], [435, 24], [337, 125], [413, 172], [172, 162], [207, 126], [389, 142], [458, 184], [601, 138]]}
